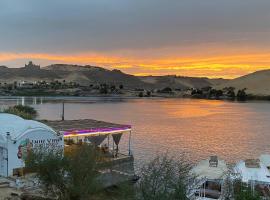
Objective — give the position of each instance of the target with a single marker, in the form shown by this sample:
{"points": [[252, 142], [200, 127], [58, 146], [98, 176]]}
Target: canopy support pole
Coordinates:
{"points": [[129, 143], [113, 147], [108, 141]]}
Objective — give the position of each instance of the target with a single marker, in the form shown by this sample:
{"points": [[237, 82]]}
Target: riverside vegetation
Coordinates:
{"points": [[75, 176], [64, 88], [25, 112]]}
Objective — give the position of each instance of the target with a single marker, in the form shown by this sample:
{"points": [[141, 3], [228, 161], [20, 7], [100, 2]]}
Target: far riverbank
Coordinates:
{"points": [[128, 93]]}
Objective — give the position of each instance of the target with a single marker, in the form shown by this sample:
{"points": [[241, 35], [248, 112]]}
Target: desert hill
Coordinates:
{"points": [[10, 75], [86, 75], [181, 82], [257, 83]]}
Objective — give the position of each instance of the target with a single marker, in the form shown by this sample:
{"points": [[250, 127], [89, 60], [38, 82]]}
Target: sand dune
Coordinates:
{"points": [[181, 82], [257, 83]]}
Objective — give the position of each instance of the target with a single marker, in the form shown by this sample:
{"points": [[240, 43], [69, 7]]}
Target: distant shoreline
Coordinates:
{"points": [[125, 96]]}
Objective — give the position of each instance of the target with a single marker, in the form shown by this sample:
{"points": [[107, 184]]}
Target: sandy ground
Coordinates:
{"points": [[5, 193]]}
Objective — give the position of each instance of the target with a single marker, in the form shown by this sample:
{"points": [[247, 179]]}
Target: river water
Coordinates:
{"points": [[199, 128]]}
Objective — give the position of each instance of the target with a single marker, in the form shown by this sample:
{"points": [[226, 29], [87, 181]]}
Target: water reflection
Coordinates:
{"points": [[199, 127], [189, 109], [9, 101]]}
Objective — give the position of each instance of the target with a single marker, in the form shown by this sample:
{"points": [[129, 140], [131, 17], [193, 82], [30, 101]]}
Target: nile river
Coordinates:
{"points": [[199, 128]]}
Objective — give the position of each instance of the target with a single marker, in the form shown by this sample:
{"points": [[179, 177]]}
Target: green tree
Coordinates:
{"points": [[83, 172], [51, 169], [241, 95], [113, 88], [103, 89], [243, 192], [247, 195]]}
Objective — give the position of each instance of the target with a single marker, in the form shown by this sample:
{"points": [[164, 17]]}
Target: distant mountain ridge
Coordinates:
{"points": [[257, 83], [86, 75]]}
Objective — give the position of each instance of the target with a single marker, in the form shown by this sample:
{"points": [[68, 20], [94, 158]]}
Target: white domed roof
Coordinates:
{"points": [[16, 126], [9, 117]]}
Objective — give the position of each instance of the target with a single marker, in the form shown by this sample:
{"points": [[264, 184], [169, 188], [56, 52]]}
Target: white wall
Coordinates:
{"points": [[37, 137], [3, 161]]}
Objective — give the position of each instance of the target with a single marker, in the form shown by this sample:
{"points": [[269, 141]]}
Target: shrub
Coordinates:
{"points": [[164, 178], [245, 193], [140, 94], [25, 112], [73, 176]]}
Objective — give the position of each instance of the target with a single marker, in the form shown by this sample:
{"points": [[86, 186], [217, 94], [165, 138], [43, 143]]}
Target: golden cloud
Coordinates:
{"points": [[227, 66]]}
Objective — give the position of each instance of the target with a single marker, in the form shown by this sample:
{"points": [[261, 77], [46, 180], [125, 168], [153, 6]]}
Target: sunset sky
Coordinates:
{"points": [[213, 38]]}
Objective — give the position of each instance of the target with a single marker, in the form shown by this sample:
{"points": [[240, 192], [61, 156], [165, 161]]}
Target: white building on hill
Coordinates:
{"points": [[18, 136]]}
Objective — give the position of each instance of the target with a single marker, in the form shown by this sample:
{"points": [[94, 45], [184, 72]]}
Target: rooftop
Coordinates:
{"points": [[86, 127]]}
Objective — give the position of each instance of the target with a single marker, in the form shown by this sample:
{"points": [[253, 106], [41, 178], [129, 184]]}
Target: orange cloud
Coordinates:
{"points": [[227, 66]]}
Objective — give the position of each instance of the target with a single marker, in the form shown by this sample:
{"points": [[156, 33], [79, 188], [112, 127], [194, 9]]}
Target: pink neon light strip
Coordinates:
{"points": [[95, 130]]}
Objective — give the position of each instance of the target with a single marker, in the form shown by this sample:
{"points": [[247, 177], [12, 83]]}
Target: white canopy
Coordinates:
{"points": [[204, 170], [260, 174], [265, 159]]}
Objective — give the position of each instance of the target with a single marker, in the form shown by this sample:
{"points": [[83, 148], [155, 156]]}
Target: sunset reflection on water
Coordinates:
{"points": [[200, 128]]}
